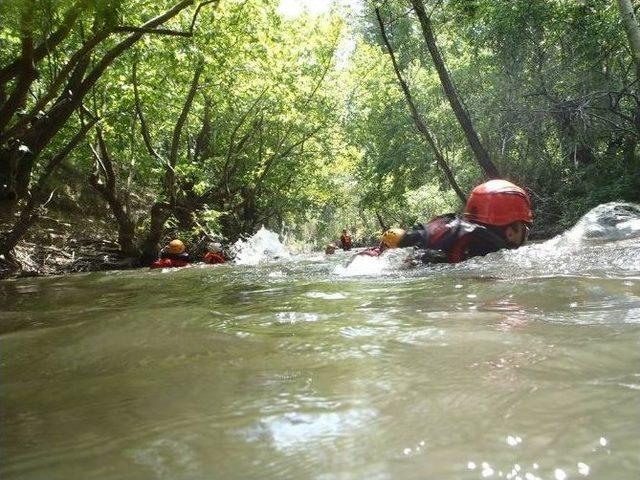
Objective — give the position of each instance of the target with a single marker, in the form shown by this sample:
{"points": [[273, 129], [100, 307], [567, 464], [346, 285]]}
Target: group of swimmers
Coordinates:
{"points": [[497, 215], [174, 255]]}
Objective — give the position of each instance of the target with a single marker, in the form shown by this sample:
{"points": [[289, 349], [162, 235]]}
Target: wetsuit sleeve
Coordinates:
{"points": [[183, 257], [480, 242], [488, 241], [414, 238]]}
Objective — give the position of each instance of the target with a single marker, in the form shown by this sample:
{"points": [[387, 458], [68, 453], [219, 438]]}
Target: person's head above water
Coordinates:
{"points": [[214, 247], [502, 206], [176, 247], [391, 237]]}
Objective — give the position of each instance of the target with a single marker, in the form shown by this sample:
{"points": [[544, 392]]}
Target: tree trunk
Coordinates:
{"points": [[161, 211], [418, 120], [481, 154], [159, 215], [383, 225], [633, 31], [28, 215], [109, 191]]}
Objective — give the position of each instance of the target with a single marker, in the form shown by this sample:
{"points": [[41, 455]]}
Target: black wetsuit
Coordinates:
{"points": [[182, 257], [448, 238]]}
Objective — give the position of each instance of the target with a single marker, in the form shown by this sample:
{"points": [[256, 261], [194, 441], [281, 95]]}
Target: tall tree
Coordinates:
{"points": [[480, 152], [420, 123], [630, 24]]}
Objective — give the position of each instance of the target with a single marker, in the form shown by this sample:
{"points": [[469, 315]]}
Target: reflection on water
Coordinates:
{"points": [[521, 365]]}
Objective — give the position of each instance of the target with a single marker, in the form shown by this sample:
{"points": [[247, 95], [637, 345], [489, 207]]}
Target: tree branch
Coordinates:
{"points": [[166, 31], [18, 128], [50, 43], [155, 31], [143, 123], [169, 179]]}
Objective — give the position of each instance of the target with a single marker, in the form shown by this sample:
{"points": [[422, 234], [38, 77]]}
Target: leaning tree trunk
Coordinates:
{"points": [[481, 154], [419, 121], [630, 23]]}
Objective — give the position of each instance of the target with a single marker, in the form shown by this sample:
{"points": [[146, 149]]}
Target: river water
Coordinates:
{"points": [[523, 364]]}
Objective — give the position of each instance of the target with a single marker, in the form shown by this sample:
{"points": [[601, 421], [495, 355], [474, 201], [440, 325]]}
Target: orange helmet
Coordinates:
{"points": [[391, 238], [176, 247], [498, 203]]}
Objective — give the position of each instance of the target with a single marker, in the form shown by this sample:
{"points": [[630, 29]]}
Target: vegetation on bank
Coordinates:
{"points": [[215, 117]]}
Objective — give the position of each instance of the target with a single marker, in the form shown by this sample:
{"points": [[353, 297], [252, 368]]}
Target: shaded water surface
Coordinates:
{"points": [[520, 365]]}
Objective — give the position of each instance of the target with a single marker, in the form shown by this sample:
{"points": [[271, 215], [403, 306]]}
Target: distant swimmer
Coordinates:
{"points": [[214, 254], [389, 239], [173, 255], [345, 240]]}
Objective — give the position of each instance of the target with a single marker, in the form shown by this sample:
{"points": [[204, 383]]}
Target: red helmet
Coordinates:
{"points": [[498, 203]]}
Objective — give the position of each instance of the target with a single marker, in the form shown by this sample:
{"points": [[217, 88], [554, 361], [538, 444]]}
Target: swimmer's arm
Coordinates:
{"points": [[413, 238]]}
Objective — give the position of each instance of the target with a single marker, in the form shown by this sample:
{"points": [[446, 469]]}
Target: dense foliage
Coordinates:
{"points": [[551, 88], [218, 117]]}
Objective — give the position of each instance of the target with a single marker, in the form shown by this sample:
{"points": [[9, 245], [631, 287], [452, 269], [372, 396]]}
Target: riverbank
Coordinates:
{"points": [[61, 243]]}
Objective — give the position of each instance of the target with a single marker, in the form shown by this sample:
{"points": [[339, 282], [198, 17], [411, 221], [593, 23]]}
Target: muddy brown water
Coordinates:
{"points": [[522, 365]]}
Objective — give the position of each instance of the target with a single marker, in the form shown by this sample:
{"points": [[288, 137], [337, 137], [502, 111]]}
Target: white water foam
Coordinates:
{"points": [[605, 240], [364, 265], [264, 246], [605, 223]]}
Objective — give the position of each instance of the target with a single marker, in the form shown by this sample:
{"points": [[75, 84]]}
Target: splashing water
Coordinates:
{"points": [[606, 241], [263, 246], [605, 223], [363, 265]]}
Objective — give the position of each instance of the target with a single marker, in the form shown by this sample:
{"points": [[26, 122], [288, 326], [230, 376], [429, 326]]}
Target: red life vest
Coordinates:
{"points": [[169, 263], [457, 238], [214, 257]]}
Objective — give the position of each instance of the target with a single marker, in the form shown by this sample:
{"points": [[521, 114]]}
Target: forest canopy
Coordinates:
{"points": [[217, 117]]}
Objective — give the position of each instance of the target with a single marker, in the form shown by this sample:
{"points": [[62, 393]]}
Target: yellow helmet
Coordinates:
{"points": [[176, 247], [391, 238]]}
